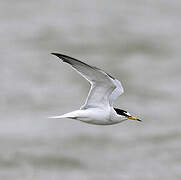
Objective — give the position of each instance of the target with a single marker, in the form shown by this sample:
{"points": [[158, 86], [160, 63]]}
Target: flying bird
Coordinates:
{"points": [[98, 108]]}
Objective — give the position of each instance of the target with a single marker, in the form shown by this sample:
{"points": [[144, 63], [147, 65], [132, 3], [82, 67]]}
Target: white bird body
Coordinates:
{"points": [[98, 108], [96, 116]]}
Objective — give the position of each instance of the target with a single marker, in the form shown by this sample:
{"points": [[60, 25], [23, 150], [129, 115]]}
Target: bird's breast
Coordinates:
{"points": [[95, 116]]}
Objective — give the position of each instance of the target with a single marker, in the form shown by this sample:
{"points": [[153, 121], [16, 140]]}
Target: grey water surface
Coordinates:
{"points": [[138, 42]]}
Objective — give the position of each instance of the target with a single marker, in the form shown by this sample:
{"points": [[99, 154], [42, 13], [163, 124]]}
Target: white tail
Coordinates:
{"points": [[56, 117], [67, 115]]}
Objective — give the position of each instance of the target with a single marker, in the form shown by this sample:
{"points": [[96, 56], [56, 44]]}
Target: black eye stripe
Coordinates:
{"points": [[121, 112]]}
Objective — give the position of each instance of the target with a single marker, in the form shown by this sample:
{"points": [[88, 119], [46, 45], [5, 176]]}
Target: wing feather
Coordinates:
{"points": [[117, 91], [104, 88]]}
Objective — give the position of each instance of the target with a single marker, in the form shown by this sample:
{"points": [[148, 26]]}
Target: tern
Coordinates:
{"points": [[98, 108]]}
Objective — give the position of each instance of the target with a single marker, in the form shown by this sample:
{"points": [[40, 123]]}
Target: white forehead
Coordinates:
{"points": [[127, 113]]}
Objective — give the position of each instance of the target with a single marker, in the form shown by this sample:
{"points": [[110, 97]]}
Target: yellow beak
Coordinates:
{"points": [[134, 118]]}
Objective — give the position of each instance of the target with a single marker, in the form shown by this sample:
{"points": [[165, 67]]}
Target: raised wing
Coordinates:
{"points": [[102, 84], [117, 92]]}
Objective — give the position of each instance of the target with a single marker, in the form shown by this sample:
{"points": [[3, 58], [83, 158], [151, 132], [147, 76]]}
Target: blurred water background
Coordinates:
{"points": [[139, 42]]}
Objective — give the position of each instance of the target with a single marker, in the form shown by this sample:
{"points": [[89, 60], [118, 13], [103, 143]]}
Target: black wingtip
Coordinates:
{"points": [[61, 55], [55, 54]]}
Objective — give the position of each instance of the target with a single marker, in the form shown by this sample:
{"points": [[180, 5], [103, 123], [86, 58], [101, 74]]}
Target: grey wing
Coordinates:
{"points": [[102, 84], [117, 91]]}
